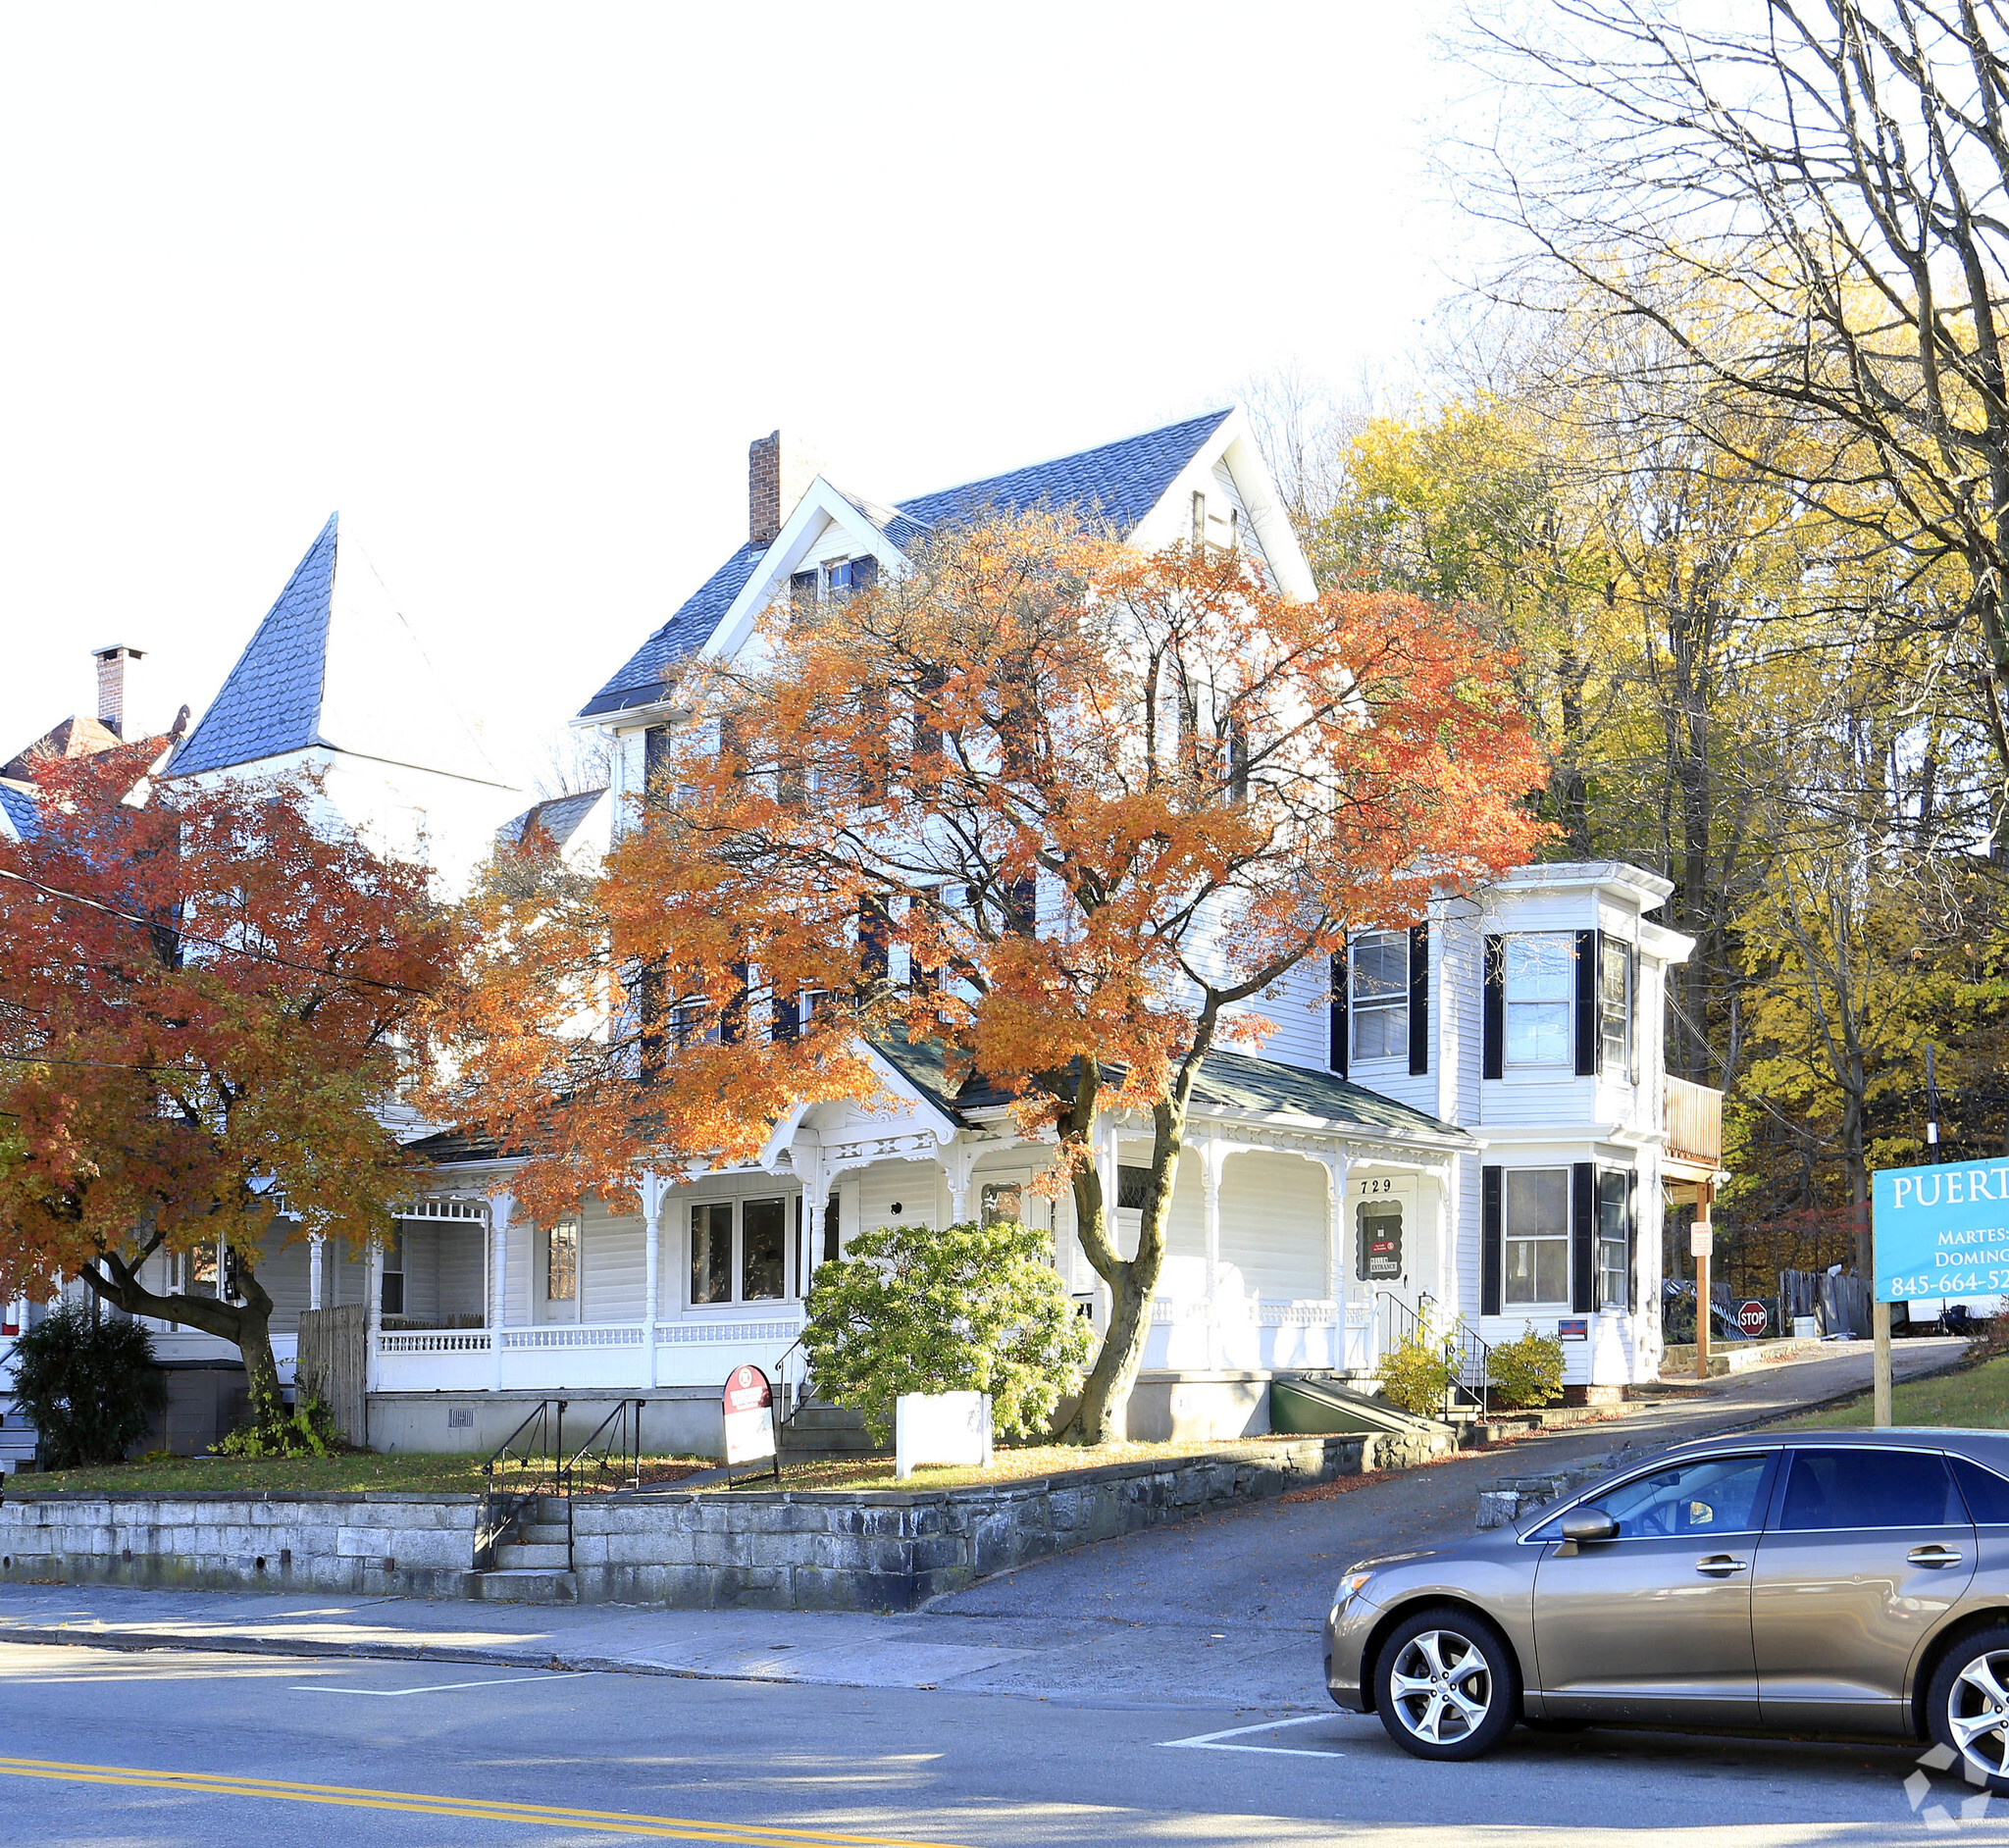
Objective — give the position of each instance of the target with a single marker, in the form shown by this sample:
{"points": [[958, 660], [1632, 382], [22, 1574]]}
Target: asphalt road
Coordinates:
{"points": [[155, 1750], [1159, 1689]]}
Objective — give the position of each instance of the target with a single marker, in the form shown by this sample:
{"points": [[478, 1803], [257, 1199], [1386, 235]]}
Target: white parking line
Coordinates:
{"points": [[443, 1687], [1212, 1741]]}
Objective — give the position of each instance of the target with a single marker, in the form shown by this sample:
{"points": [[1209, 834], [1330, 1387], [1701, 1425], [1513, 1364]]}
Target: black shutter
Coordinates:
{"points": [[732, 1020], [1588, 1037], [1418, 999], [1022, 906], [875, 936], [1492, 1216], [1340, 1027], [788, 1017], [1582, 1237], [1632, 999], [1632, 1239], [832, 1224], [1494, 1011]]}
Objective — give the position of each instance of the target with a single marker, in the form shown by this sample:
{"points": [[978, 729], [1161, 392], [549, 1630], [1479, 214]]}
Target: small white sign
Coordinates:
{"points": [[748, 1402], [952, 1428], [1700, 1238]]}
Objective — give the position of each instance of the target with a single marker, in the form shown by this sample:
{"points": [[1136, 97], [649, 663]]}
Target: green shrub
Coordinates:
{"points": [[272, 1430], [969, 1308], [88, 1384], [1416, 1374], [1528, 1372]]}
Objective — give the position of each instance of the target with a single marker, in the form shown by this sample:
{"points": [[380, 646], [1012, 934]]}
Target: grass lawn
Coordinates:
{"points": [[412, 1472], [1973, 1398], [1014, 1464]]}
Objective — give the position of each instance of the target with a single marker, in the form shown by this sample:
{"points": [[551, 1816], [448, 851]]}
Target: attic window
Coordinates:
{"points": [[853, 573], [802, 591]]}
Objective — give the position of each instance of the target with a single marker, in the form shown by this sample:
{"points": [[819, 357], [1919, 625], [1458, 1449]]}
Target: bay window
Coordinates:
{"points": [[1536, 1238]]}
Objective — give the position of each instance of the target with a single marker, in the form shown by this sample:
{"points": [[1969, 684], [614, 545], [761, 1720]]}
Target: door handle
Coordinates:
{"points": [[1935, 1555], [1720, 1565]]}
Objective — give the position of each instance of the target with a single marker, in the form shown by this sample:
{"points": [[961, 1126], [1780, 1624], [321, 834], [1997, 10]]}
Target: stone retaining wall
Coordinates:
{"points": [[772, 1549], [422, 1545]]}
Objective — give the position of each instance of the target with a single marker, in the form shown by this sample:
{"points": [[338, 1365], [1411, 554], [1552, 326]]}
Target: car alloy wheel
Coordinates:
{"points": [[1972, 1706], [1443, 1686], [1447, 1685]]}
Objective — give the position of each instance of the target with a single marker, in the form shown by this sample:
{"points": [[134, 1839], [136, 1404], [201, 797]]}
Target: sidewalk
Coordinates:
{"points": [[1083, 1660]]}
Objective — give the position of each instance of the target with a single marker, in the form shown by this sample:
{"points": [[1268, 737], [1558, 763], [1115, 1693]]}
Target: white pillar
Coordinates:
{"points": [[655, 1187], [816, 1198], [1211, 1163], [375, 1313], [957, 1164], [501, 1208], [315, 1245]]}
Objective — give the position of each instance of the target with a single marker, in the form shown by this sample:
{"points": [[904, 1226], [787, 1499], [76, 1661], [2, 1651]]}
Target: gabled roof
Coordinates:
{"points": [[557, 818], [1118, 483], [78, 735], [335, 666]]}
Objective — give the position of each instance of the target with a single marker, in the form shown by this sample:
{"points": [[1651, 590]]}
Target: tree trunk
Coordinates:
{"points": [[1100, 1414], [248, 1325]]}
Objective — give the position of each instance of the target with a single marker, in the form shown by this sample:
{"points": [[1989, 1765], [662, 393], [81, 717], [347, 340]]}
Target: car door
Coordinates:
{"points": [[1656, 1623], [1868, 1548]]}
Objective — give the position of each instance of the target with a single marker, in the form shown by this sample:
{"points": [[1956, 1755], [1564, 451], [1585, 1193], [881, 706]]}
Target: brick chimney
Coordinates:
{"points": [[779, 471], [116, 685]]}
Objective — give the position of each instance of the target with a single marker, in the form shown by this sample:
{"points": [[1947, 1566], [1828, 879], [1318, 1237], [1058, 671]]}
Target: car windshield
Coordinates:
{"points": [[1709, 1495]]}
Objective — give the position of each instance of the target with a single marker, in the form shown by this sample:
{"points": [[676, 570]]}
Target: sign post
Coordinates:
{"points": [[1938, 1233], [1701, 1238]]}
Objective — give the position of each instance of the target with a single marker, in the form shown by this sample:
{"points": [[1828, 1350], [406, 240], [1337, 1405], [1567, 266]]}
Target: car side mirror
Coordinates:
{"points": [[1591, 1523]]}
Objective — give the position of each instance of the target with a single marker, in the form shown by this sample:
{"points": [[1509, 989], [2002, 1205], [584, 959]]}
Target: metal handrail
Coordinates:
{"points": [[548, 1419]]}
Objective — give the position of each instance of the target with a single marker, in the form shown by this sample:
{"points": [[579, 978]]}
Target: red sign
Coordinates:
{"points": [[1752, 1317], [748, 1402]]}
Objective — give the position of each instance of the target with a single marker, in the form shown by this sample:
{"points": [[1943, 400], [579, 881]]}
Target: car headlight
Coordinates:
{"points": [[1349, 1585]]}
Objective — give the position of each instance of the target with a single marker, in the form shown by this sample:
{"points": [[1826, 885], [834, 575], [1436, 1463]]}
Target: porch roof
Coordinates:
{"points": [[1231, 1081]]}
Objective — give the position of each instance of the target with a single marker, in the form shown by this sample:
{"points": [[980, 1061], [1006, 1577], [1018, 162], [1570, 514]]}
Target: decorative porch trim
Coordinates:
{"points": [[575, 1335], [434, 1341], [678, 1334]]}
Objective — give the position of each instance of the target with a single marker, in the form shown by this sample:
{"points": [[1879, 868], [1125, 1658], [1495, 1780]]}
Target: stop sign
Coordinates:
{"points": [[1752, 1317]]}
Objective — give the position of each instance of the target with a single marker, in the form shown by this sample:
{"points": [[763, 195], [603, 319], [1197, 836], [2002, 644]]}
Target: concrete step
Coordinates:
{"points": [[528, 1586], [812, 1443], [514, 1555], [821, 1417], [545, 1533]]}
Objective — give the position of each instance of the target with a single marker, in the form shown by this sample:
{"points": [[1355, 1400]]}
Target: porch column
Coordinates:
{"points": [[375, 1313], [501, 1209], [655, 1187], [1338, 1169], [956, 1164], [1212, 1160], [314, 1243]]}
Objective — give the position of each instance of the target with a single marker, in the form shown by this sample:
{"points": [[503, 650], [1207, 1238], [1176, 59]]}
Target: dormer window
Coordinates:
{"points": [[849, 575]]}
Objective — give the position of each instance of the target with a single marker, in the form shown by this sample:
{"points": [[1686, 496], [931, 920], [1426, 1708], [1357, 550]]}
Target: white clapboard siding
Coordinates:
{"points": [[421, 1270], [518, 1273], [1299, 1011], [611, 1258], [1461, 1025], [1273, 1224], [1222, 495], [459, 1267], [913, 1185]]}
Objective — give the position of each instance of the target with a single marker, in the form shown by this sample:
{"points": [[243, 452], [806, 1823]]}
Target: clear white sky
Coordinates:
{"points": [[513, 287]]}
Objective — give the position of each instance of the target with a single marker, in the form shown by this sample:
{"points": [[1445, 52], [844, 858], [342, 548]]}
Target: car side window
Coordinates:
{"points": [[1710, 1495], [1986, 1493], [1862, 1487]]}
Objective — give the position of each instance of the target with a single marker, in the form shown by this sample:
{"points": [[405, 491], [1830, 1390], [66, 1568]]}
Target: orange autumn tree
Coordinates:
{"points": [[205, 997], [1056, 805]]}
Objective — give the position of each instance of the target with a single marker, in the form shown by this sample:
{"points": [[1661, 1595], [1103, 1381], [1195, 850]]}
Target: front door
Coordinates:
{"points": [[1870, 1549], [1656, 1623]]}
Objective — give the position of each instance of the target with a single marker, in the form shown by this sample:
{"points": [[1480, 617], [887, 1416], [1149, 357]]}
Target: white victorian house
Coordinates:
{"points": [[1465, 1124]]}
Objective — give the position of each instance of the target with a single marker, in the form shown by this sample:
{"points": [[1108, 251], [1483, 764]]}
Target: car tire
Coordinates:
{"points": [[1967, 1706], [1446, 1684]]}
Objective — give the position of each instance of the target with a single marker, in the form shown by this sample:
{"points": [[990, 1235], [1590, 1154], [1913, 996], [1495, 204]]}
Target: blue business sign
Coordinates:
{"points": [[1941, 1232]]}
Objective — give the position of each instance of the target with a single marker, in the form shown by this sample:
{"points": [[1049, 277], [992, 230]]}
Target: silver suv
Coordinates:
{"points": [[1840, 1581]]}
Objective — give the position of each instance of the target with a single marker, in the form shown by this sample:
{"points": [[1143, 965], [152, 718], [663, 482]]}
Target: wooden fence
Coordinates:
{"points": [[333, 1363]]}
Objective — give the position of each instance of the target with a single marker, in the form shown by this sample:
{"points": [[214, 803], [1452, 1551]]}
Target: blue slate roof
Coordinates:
{"points": [[1119, 483], [559, 817], [20, 811], [643, 677], [270, 703]]}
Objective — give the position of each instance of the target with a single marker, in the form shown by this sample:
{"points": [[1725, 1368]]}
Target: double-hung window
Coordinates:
{"points": [[1535, 1238], [739, 1250], [1614, 1268], [561, 1261], [1378, 966], [1615, 1006], [1540, 980]]}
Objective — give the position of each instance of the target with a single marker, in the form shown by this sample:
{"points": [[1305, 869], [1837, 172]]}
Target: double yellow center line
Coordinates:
{"points": [[475, 1809]]}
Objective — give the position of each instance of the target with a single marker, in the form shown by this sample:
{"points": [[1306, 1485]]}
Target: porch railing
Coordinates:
{"points": [[1694, 1122]]}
